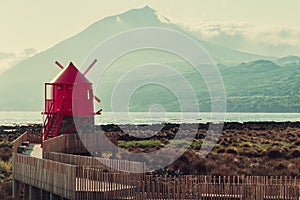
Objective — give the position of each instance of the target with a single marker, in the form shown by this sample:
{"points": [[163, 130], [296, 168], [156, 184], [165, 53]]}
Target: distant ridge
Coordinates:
{"points": [[288, 60], [22, 85]]}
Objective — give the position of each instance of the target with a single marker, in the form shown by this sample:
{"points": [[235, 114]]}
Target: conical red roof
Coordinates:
{"points": [[70, 75]]}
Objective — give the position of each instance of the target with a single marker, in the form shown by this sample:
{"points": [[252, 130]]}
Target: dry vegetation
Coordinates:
{"points": [[7, 136], [5, 169], [243, 149]]}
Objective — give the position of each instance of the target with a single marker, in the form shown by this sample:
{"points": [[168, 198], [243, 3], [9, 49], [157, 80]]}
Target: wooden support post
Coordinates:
{"points": [[26, 192], [34, 193], [45, 195], [16, 189], [51, 197], [114, 154]]}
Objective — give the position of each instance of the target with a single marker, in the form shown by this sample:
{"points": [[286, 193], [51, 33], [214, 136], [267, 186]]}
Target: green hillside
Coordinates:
{"points": [[253, 83], [258, 86]]}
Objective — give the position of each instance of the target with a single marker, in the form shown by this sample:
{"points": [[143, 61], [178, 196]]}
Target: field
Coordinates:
{"points": [[269, 149], [243, 149]]}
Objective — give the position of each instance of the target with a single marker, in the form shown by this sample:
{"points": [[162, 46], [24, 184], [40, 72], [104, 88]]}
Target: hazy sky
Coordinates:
{"points": [[259, 26], [40, 24]]}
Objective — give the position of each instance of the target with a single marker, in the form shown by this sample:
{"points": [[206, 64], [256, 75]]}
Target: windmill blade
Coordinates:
{"points": [[86, 71], [60, 65], [90, 67], [97, 99]]}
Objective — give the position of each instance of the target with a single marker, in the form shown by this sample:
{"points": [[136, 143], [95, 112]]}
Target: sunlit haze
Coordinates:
{"points": [[264, 26]]}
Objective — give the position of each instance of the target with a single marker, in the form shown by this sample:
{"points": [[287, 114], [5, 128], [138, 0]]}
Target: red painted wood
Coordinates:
{"points": [[68, 94], [70, 84]]}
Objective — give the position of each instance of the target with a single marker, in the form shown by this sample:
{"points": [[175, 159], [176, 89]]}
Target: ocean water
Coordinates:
{"points": [[23, 118]]}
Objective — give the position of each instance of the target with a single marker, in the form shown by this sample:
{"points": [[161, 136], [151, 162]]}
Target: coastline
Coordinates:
{"points": [[11, 132]]}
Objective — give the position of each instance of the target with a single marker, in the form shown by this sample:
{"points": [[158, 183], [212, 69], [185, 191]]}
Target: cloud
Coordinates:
{"points": [[10, 59], [4, 55], [28, 52], [260, 39], [162, 18]]}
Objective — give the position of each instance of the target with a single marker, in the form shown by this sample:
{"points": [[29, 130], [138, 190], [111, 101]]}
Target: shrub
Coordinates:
{"points": [[6, 167], [295, 153], [5, 143], [250, 153], [274, 153], [5, 153], [199, 167], [232, 150], [280, 166], [221, 150], [6, 190]]}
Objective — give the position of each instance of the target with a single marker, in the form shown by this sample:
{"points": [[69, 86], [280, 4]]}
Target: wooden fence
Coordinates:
{"points": [[70, 143], [55, 177], [211, 187], [74, 182], [92, 182], [104, 163], [75, 144], [26, 136]]}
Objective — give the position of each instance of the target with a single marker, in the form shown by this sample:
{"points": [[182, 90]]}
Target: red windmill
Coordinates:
{"points": [[68, 97]]}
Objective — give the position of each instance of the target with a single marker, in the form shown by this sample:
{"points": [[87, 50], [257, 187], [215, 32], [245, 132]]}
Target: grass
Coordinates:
{"points": [[197, 144], [140, 143], [263, 145], [246, 144], [180, 143], [6, 166]]}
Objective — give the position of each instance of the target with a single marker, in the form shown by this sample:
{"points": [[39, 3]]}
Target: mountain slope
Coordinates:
{"points": [[22, 86], [257, 86], [288, 60], [262, 86]]}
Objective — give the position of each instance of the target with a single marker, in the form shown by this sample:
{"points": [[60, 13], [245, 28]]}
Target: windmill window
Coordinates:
{"points": [[49, 91], [89, 94]]}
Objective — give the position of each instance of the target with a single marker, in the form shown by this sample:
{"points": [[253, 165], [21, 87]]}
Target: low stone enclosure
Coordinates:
{"points": [[61, 173]]}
